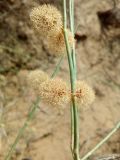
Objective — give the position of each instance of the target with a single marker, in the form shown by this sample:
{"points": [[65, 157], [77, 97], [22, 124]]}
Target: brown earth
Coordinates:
{"points": [[98, 62]]}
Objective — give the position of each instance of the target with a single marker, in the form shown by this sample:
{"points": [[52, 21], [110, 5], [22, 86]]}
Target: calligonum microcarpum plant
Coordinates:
{"points": [[47, 21], [51, 26]]}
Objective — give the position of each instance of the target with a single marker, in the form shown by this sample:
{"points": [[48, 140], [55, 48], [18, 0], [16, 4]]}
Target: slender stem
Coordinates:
{"points": [[101, 142], [72, 110], [72, 79], [71, 16], [72, 129], [29, 118], [55, 72], [30, 115], [71, 9], [74, 59], [57, 67], [74, 107], [76, 131]]}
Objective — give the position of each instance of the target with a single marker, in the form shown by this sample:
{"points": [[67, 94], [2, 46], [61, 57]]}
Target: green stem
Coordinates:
{"points": [[76, 131], [72, 129], [30, 115], [101, 142], [57, 67], [72, 77], [71, 9], [29, 118], [74, 110], [74, 107]]}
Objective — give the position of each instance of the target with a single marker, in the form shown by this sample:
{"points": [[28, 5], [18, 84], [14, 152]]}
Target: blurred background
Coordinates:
{"points": [[97, 26]]}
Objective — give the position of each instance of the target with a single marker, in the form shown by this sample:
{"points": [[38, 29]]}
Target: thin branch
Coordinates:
{"points": [[57, 67], [29, 118], [72, 80], [22, 129], [102, 142]]}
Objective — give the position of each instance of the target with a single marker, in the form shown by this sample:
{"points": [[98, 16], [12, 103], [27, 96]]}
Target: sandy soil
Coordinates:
{"points": [[98, 62]]}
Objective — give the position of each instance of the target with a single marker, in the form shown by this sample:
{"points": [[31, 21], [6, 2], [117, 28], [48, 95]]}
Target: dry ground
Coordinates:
{"points": [[98, 61]]}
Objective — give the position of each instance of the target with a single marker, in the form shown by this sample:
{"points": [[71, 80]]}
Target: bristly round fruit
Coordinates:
{"points": [[84, 94], [54, 92], [46, 19], [56, 43], [36, 78]]}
